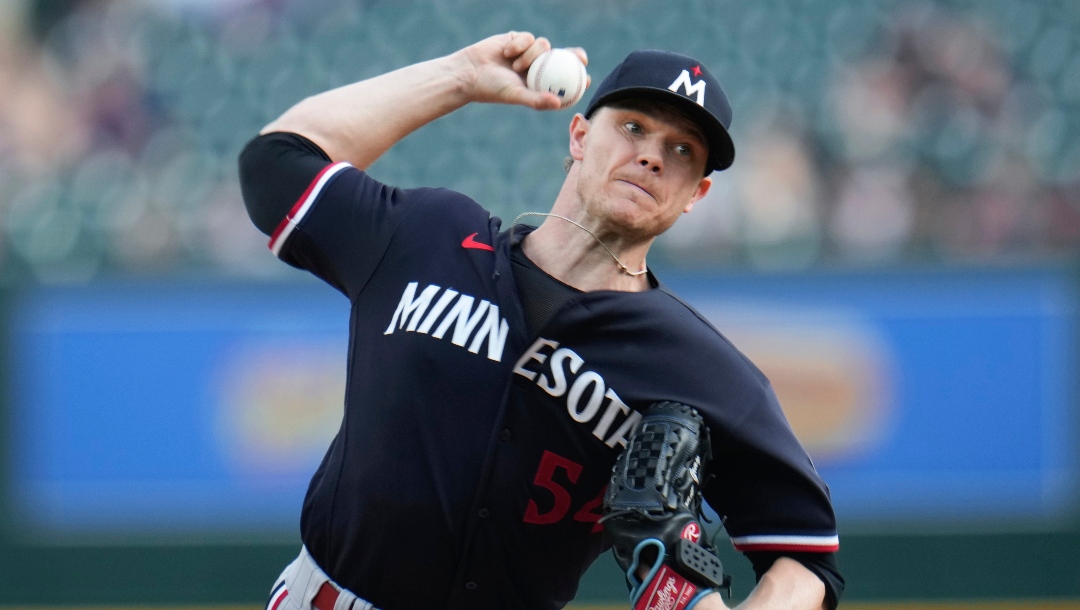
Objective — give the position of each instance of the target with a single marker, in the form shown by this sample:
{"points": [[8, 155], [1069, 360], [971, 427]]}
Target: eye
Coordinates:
{"points": [[683, 150], [633, 127]]}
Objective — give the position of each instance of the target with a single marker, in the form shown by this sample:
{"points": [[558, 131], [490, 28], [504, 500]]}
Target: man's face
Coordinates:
{"points": [[642, 165]]}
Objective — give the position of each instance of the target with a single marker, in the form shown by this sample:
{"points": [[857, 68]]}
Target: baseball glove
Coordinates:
{"points": [[652, 511]]}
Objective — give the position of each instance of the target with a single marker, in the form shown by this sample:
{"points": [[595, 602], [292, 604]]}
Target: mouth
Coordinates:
{"points": [[638, 187]]}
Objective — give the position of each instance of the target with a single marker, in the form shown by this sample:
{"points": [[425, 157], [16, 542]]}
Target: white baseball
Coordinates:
{"points": [[559, 71]]}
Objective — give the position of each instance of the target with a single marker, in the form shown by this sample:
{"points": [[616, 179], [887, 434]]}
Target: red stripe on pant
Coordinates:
{"points": [[277, 599], [324, 599]]}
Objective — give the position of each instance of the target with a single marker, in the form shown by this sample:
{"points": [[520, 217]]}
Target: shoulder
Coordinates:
{"points": [[695, 328], [664, 343], [722, 379], [456, 203], [362, 193], [437, 210]]}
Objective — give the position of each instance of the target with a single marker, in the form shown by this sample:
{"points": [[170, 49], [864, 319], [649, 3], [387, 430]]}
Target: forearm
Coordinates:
{"points": [[359, 122], [787, 585]]}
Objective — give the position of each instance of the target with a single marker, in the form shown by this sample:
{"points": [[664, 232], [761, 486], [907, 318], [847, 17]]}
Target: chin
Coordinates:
{"points": [[634, 224]]}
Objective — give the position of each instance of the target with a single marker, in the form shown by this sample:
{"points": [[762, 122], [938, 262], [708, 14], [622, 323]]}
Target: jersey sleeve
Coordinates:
{"points": [[328, 218], [275, 169], [767, 487], [760, 480], [772, 499]]}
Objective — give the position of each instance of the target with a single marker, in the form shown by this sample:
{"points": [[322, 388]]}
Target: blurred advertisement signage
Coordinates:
{"points": [[925, 399]]}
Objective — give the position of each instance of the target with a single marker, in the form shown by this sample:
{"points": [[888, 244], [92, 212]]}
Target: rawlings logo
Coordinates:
{"points": [[671, 592], [665, 598], [691, 532]]}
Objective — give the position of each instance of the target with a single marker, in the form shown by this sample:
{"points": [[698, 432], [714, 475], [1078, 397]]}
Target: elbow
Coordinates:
{"points": [[253, 189]]}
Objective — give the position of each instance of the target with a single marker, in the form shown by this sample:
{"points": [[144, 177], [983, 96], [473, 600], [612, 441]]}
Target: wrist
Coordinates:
{"points": [[667, 589], [466, 74], [712, 601]]}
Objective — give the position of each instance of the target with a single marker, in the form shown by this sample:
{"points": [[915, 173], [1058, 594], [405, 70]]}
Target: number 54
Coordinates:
{"points": [[545, 477]]}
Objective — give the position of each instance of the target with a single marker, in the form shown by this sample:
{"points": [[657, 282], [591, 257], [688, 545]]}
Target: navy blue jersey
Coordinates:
{"points": [[472, 458]]}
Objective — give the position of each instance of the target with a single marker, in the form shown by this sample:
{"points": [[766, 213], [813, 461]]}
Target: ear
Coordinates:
{"points": [[579, 127], [702, 188]]}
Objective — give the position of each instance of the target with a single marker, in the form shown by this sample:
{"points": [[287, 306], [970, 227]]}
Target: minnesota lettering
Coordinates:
{"points": [[561, 374], [416, 313]]}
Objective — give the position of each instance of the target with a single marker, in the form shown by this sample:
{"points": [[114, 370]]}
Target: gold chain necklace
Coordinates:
{"points": [[582, 227]]}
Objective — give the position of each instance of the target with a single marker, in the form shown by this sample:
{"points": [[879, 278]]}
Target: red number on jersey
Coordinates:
{"points": [[545, 478], [586, 513]]}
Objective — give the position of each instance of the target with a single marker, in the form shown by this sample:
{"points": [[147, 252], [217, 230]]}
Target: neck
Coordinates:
{"points": [[569, 250], [583, 253]]}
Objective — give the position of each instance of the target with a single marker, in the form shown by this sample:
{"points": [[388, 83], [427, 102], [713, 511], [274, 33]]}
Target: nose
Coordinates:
{"points": [[650, 157]]}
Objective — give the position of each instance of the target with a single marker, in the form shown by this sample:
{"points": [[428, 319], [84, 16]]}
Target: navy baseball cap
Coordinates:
{"points": [[678, 80]]}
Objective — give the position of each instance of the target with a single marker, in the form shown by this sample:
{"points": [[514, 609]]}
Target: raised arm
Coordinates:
{"points": [[359, 122]]}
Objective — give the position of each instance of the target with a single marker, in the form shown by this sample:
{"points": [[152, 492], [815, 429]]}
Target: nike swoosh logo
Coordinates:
{"points": [[469, 242]]}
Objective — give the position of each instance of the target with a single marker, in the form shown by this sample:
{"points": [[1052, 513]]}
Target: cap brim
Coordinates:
{"points": [[721, 147]]}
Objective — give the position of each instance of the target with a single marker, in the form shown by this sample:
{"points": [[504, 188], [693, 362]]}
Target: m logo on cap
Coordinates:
{"points": [[697, 88]]}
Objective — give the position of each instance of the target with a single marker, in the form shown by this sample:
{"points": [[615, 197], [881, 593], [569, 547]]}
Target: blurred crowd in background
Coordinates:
{"points": [[874, 133]]}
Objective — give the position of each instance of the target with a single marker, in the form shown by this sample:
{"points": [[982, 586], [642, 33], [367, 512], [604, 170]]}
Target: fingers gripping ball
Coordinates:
{"points": [[561, 72], [652, 508]]}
